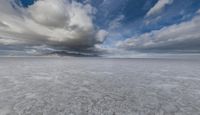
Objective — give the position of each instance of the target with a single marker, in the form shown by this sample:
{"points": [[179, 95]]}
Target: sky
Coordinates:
{"points": [[101, 27]]}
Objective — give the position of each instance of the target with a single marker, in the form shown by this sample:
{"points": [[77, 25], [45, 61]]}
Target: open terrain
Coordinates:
{"points": [[97, 86]]}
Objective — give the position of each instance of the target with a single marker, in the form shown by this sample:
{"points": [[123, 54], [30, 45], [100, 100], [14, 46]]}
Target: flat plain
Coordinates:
{"points": [[98, 86]]}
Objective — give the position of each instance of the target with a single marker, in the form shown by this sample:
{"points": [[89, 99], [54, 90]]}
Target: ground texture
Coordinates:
{"points": [[94, 86]]}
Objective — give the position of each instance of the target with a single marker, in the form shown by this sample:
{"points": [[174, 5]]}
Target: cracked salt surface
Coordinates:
{"points": [[94, 86]]}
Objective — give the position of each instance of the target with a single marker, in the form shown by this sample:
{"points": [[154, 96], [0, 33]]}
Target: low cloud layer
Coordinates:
{"points": [[59, 23], [183, 37]]}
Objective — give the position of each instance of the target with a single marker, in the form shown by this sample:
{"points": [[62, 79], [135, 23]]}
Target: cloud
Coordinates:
{"points": [[158, 7], [116, 23], [59, 23], [198, 11], [183, 37]]}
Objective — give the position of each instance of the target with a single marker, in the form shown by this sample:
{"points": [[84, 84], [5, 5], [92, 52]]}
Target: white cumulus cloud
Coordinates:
{"points": [[61, 23], [180, 37]]}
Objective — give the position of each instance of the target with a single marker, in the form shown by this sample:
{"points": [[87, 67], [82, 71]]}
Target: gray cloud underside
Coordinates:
{"points": [[58, 23], [183, 37]]}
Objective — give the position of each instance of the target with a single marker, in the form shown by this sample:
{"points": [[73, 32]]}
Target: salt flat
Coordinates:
{"points": [[96, 86]]}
